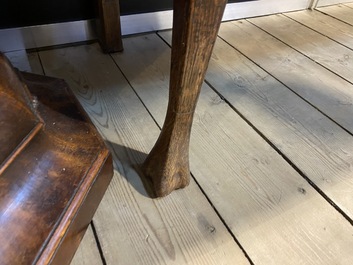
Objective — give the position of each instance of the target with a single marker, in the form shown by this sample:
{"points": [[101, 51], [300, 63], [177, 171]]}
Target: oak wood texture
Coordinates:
{"points": [[53, 184], [182, 228], [195, 24], [87, 252], [109, 27]]}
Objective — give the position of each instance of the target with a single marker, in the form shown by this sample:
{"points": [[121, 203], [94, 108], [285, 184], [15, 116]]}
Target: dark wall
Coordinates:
{"points": [[128, 7], [144, 6], [19, 13]]}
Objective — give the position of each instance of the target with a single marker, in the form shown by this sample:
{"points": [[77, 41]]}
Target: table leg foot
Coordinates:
{"points": [[195, 27], [167, 165]]}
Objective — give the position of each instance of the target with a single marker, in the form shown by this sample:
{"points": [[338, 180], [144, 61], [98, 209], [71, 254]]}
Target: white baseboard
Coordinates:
{"points": [[46, 35]]}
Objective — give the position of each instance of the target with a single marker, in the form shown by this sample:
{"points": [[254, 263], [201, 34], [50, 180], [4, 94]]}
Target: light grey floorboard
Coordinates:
{"points": [[317, 146], [331, 27], [321, 49], [132, 227], [257, 193], [341, 12]]}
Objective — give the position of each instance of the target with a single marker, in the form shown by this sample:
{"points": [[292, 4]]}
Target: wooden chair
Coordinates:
{"points": [[195, 28]]}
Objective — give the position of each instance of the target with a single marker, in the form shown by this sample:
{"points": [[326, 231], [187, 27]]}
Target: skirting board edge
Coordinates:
{"points": [[14, 39]]}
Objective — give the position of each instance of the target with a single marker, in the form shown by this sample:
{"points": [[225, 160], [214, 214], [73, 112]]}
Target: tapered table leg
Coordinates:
{"points": [[195, 27], [109, 29]]}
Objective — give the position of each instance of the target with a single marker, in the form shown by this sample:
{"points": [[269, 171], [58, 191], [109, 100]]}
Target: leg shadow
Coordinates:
{"points": [[128, 162]]}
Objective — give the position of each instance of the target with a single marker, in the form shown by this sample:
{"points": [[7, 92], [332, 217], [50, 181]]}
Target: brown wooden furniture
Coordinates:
{"points": [[109, 29], [54, 169], [195, 27]]}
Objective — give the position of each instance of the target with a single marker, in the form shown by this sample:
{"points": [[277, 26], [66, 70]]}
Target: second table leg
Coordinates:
{"points": [[195, 28]]}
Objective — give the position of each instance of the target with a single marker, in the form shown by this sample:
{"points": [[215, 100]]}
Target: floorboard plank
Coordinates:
{"points": [[133, 228], [87, 253], [326, 52], [331, 2], [340, 12], [317, 146], [326, 25], [325, 90], [262, 199]]}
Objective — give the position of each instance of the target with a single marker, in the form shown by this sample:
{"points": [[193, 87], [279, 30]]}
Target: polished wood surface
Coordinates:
{"points": [[195, 27], [14, 106], [54, 179]]}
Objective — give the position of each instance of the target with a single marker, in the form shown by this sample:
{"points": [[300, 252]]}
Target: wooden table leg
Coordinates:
{"points": [[195, 28], [109, 29]]}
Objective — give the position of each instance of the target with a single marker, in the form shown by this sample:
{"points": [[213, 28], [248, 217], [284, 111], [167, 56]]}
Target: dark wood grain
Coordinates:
{"points": [[195, 24], [195, 27], [109, 28], [15, 105], [51, 189]]}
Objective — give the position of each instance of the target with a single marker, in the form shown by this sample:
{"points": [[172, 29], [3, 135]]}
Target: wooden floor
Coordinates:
{"points": [[271, 149]]}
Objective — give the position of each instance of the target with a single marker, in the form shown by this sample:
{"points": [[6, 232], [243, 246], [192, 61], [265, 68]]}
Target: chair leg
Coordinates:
{"points": [[109, 29], [195, 27]]}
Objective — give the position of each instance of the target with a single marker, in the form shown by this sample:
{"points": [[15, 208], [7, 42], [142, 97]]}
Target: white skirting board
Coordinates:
{"points": [[70, 32], [46, 35]]}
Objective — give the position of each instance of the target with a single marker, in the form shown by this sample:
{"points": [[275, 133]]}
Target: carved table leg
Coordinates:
{"points": [[195, 27]]}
